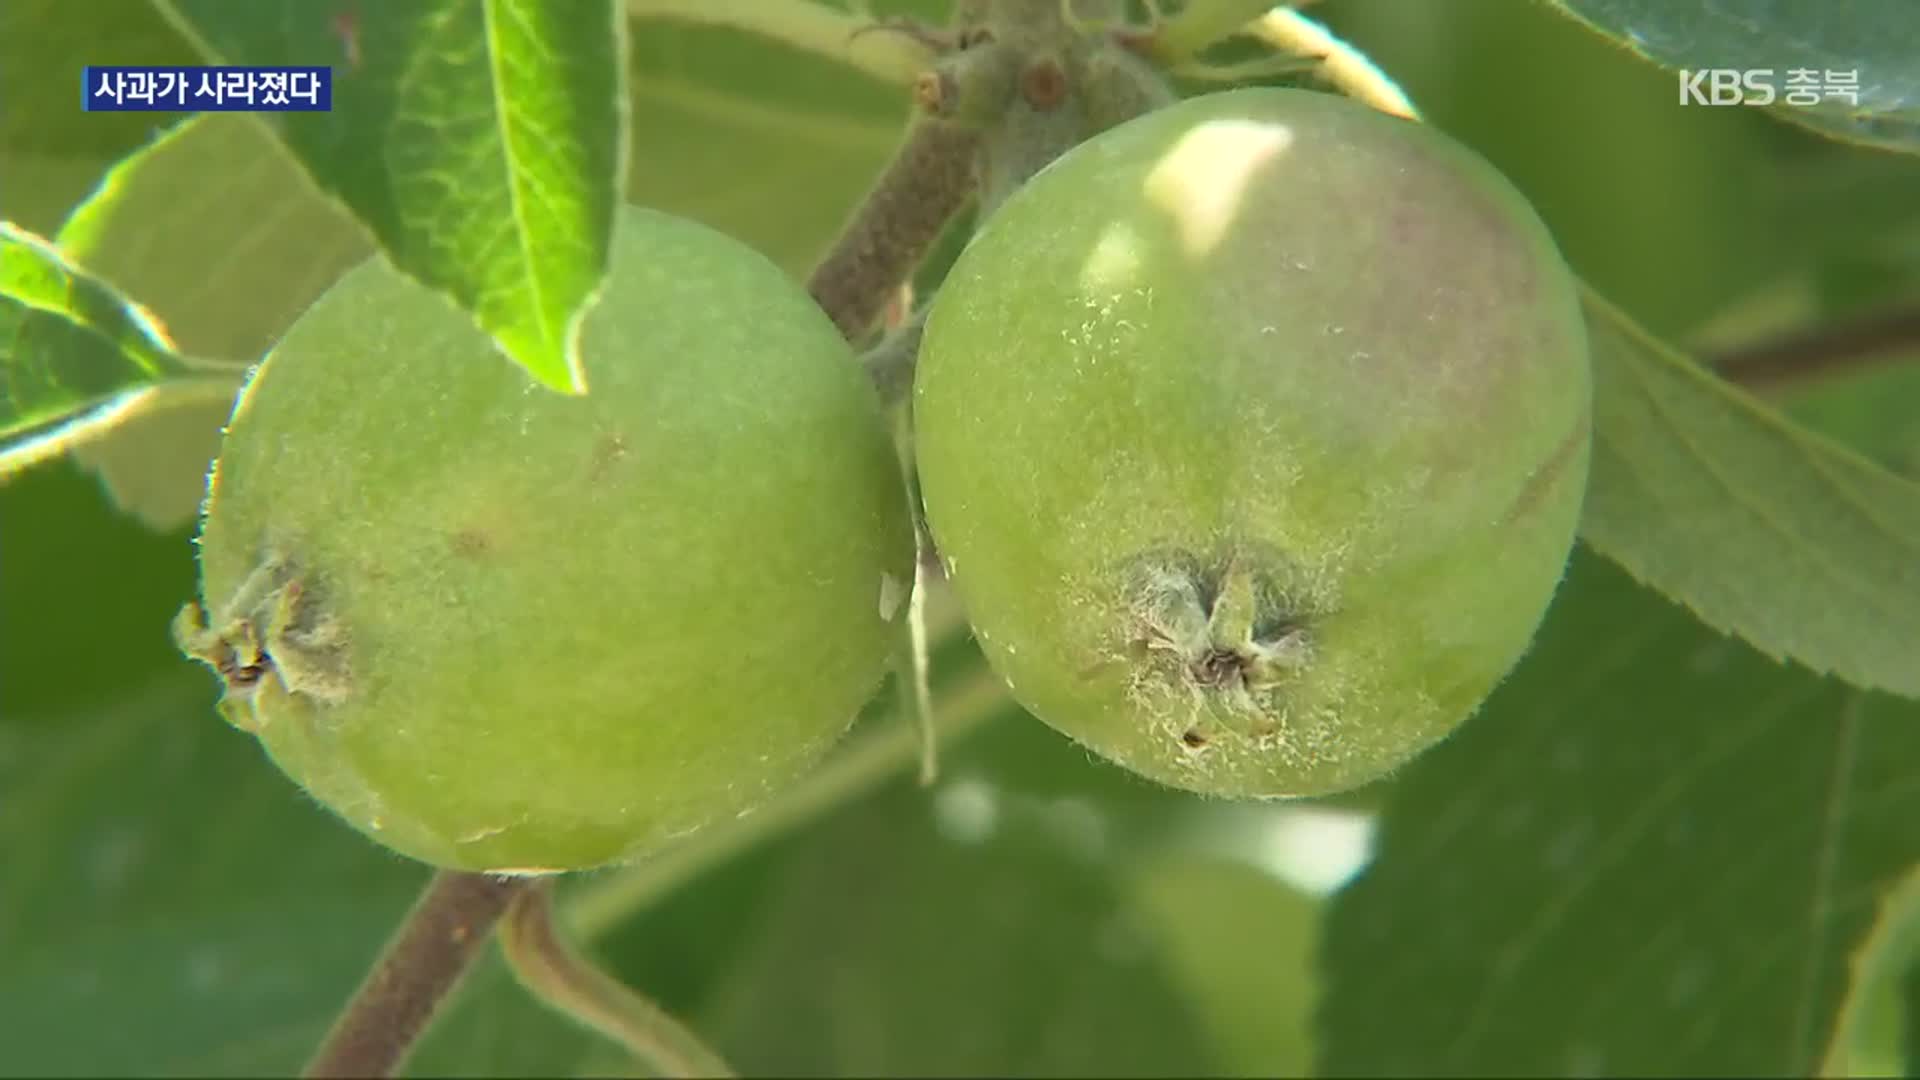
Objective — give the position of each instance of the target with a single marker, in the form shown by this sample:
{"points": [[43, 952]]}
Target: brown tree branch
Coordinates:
{"points": [[1825, 351], [925, 184], [420, 966]]}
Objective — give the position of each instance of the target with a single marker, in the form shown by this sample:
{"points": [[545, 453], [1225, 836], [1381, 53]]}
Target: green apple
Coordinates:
{"points": [[501, 628], [1254, 433]]}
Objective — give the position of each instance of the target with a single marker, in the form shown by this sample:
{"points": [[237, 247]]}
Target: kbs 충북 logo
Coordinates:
{"points": [[1763, 86]]}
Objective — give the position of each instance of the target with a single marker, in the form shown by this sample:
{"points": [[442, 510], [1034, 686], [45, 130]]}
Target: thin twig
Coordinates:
{"points": [[420, 966], [926, 183], [860, 43], [1823, 352], [571, 983]]}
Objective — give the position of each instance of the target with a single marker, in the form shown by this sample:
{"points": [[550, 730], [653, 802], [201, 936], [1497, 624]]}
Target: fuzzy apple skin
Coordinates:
{"points": [[1254, 432], [499, 628]]}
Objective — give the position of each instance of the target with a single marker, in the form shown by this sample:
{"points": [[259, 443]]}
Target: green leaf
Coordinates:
{"points": [[154, 458], [219, 232], [1885, 1019], [85, 597], [34, 276], [217, 228], [1876, 40], [482, 142], [952, 936], [1875, 411], [40, 189], [51, 150], [163, 878], [222, 232], [152, 887], [1910, 1017], [69, 343], [1240, 944], [771, 146], [1654, 851], [163, 875], [493, 1027], [1801, 547], [45, 44], [1833, 203]]}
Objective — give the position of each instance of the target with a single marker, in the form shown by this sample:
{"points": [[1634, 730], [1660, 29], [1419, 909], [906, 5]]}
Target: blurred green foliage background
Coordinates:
{"points": [[169, 903]]}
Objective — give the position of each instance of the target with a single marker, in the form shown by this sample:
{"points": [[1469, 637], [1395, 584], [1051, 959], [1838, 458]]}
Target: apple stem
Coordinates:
{"points": [[417, 970], [925, 184], [558, 973], [1836, 349]]}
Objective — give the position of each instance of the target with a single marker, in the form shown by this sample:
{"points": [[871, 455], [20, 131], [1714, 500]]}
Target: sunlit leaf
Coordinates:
{"points": [[72, 350], [480, 142]]}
